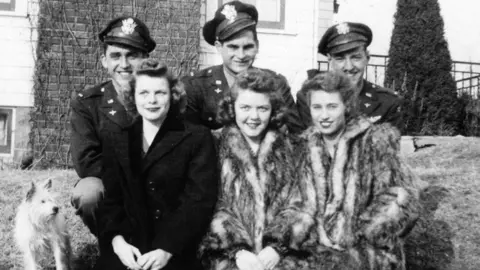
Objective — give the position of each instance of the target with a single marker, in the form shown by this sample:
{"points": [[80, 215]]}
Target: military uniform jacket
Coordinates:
{"points": [[208, 86], [92, 112], [380, 105]]}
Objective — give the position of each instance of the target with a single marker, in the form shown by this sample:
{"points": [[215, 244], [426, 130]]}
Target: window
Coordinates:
{"points": [[7, 5], [271, 12], [6, 130]]}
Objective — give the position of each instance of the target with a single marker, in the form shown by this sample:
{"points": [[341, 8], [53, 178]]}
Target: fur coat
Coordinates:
{"points": [[365, 195], [260, 202]]}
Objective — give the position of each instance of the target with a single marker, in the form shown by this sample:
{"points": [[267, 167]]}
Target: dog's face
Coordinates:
{"points": [[41, 203]]}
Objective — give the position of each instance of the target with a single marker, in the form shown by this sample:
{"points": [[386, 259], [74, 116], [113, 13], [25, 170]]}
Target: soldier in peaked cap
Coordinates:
{"points": [[233, 32], [100, 109], [345, 45]]}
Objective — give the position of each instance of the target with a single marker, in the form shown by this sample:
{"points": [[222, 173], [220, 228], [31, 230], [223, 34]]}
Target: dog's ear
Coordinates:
{"points": [[31, 192], [48, 184]]}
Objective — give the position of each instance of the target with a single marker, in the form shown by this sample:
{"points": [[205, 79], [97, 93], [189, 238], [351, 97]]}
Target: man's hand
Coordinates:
{"points": [[246, 260], [126, 252], [269, 258], [154, 260]]}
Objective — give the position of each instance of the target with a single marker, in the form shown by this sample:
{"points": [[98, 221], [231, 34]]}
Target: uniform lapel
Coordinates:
{"points": [[123, 145], [168, 137], [128, 143], [112, 108], [368, 99]]}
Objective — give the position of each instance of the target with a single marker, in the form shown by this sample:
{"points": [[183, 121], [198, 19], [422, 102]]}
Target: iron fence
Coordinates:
{"points": [[465, 74]]}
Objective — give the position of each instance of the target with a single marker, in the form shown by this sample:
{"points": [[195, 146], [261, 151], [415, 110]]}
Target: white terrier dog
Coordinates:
{"points": [[40, 228]]}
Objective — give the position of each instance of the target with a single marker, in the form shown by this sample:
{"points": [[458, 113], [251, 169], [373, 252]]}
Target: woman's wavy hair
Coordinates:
{"points": [[156, 69], [334, 82], [258, 81]]}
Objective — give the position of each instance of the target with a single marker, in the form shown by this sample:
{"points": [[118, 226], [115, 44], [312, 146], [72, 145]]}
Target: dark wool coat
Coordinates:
{"points": [[365, 195], [208, 86], [164, 200], [260, 202]]}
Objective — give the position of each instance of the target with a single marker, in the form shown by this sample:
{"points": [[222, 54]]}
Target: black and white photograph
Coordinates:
{"points": [[239, 134]]}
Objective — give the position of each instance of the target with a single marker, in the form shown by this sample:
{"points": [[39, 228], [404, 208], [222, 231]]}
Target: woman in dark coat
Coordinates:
{"points": [[260, 217], [160, 181], [367, 200]]}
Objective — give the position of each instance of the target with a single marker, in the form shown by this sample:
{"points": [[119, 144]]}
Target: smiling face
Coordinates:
{"points": [[152, 98], [120, 63], [328, 112], [252, 113], [352, 63], [239, 53]]}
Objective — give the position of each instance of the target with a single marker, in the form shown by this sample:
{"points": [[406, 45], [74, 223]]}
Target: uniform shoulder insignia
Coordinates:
{"points": [[380, 89], [97, 90], [203, 73]]}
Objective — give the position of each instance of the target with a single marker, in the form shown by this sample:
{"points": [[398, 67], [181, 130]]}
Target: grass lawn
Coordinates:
{"points": [[447, 237], [13, 187]]}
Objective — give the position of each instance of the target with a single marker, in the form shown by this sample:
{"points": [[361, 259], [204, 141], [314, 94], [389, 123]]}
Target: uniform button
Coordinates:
{"points": [[157, 214], [152, 189], [210, 119]]}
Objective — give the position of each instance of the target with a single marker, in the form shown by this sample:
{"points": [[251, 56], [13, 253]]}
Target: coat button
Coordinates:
{"points": [[152, 189], [210, 119], [157, 214]]}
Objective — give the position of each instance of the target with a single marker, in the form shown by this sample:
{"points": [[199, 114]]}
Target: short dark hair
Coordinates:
{"points": [[258, 81], [252, 29], [156, 69], [334, 82]]}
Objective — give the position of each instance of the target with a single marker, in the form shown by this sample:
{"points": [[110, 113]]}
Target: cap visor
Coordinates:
{"points": [[126, 43], [346, 47]]}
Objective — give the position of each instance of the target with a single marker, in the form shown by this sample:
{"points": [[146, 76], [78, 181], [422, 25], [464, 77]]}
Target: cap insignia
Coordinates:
{"points": [[230, 13], [128, 26], [343, 29]]}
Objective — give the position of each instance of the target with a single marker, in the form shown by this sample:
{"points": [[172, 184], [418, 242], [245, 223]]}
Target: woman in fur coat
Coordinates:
{"points": [[365, 194], [260, 216]]}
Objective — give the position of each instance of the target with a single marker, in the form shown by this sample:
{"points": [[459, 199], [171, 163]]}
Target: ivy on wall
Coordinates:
{"points": [[69, 58]]}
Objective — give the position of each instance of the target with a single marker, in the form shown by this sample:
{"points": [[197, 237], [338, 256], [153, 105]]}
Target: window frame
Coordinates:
{"points": [[8, 7], [16, 8], [7, 148], [269, 24]]}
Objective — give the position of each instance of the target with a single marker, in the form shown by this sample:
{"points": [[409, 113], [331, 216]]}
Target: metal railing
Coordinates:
{"points": [[465, 74]]}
